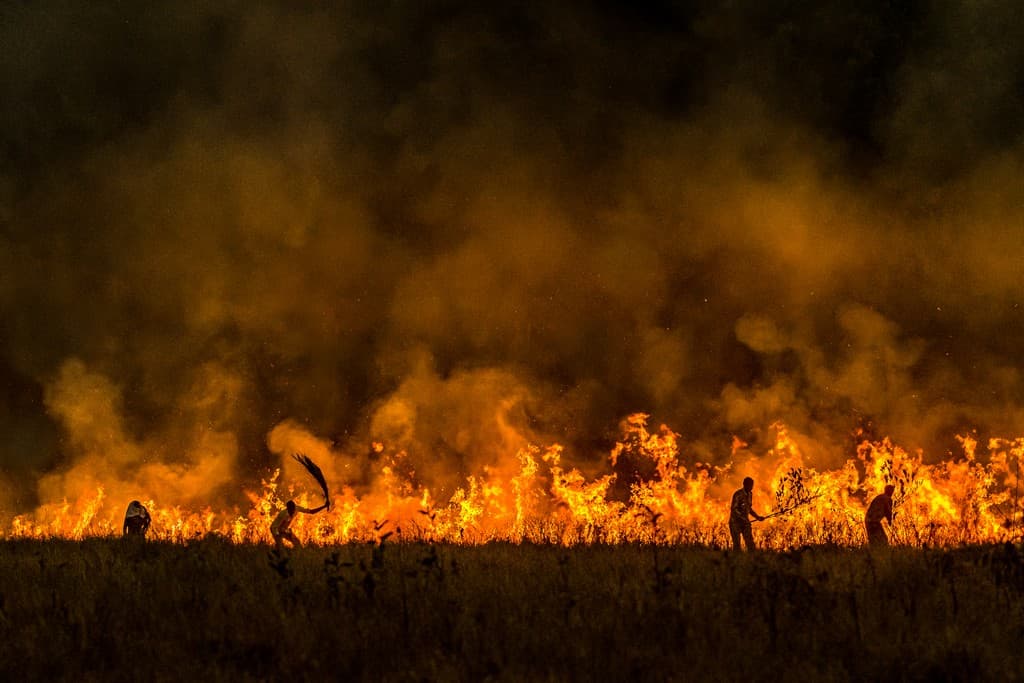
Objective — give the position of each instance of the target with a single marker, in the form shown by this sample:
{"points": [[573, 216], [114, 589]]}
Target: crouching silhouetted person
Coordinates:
{"points": [[136, 520], [280, 528], [880, 508], [740, 513]]}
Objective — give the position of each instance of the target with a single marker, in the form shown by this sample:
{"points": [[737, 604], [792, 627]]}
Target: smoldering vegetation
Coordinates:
{"points": [[457, 229], [116, 610]]}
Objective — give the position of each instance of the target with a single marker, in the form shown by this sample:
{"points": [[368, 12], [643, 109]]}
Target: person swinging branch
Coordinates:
{"points": [[280, 528], [740, 513]]}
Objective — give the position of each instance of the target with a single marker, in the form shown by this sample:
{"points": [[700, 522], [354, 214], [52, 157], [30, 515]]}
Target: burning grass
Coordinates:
{"points": [[652, 492], [213, 610]]}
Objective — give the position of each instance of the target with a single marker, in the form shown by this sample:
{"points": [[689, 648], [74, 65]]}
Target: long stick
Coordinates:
{"points": [[790, 508]]}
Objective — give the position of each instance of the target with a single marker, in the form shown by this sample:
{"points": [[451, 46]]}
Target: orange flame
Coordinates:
{"points": [[670, 500]]}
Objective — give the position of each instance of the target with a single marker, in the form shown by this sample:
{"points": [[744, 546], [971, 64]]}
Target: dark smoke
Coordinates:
{"points": [[228, 232]]}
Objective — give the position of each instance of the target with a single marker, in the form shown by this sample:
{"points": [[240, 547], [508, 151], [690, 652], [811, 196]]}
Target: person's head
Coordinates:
{"points": [[291, 507], [748, 484], [889, 490]]}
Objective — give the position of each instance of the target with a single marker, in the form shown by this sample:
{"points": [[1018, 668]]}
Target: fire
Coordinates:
{"points": [[651, 493]]}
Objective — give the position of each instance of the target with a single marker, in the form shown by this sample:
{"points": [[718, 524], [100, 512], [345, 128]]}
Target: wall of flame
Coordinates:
{"points": [[446, 249]]}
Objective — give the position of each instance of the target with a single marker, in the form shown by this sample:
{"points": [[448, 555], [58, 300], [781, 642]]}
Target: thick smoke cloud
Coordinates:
{"points": [[230, 233]]}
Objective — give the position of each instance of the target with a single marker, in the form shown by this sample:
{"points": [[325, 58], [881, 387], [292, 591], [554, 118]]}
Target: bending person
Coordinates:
{"points": [[136, 520], [280, 528], [880, 508]]}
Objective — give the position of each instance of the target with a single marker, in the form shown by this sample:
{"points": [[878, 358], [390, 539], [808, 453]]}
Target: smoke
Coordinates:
{"points": [[108, 458], [228, 234]]}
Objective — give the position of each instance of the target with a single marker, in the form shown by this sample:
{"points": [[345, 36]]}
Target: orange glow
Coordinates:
{"points": [[537, 498]]}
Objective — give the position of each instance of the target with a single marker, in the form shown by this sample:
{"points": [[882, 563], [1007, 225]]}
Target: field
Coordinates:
{"points": [[109, 609]]}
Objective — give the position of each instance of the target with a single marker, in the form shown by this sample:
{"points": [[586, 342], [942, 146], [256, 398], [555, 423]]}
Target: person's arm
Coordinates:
{"points": [[756, 516], [748, 505], [299, 508]]}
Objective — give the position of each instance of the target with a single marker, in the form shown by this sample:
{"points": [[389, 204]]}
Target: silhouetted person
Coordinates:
{"points": [[880, 508], [740, 513], [136, 520], [280, 528]]}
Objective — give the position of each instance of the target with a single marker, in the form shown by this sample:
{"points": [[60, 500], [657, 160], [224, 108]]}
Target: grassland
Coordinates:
{"points": [[108, 609]]}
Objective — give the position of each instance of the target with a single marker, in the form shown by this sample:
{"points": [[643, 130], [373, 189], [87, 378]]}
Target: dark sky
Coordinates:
{"points": [[227, 231]]}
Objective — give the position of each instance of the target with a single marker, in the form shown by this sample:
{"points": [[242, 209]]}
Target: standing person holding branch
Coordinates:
{"points": [[740, 513]]}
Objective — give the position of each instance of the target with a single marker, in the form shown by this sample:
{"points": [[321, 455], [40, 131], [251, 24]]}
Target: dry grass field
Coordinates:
{"points": [[107, 609]]}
